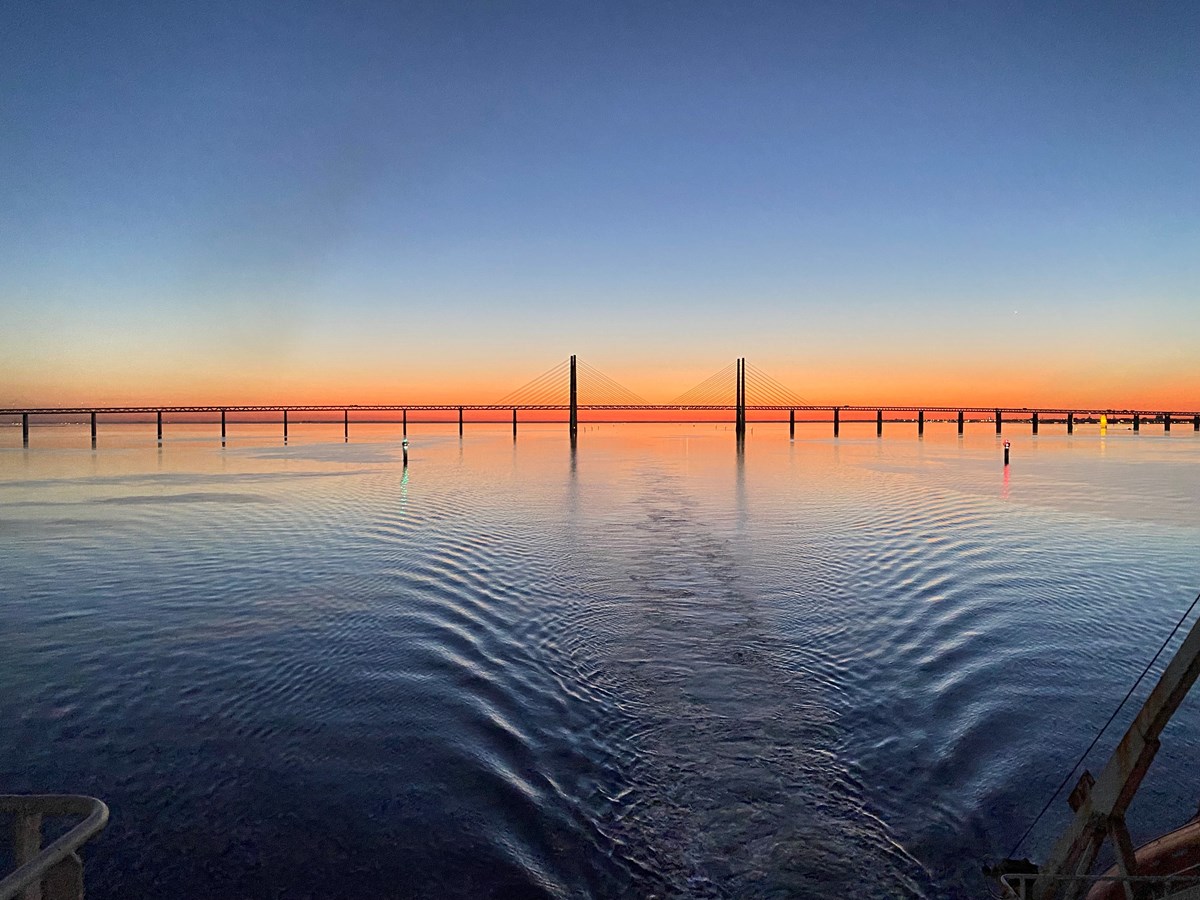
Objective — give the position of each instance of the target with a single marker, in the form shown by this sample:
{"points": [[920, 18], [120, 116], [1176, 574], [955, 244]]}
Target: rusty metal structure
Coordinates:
{"points": [[1099, 804]]}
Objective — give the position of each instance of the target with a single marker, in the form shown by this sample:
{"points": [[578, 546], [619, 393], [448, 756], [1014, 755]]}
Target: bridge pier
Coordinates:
{"points": [[93, 428], [960, 421], [1070, 423], [791, 424], [159, 421], [1137, 423], [836, 423], [285, 426], [1035, 422], [879, 423], [1166, 421], [25, 429], [345, 426], [999, 421], [920, 422]]}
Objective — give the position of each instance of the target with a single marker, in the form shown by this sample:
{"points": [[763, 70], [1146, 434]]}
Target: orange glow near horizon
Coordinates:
{"points": [[1006, 386]]}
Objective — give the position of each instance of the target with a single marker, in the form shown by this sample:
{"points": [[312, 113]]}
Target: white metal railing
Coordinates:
{"points": [[54, 872]]}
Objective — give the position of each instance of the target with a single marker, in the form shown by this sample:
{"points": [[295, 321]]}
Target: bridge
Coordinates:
{"points": [[573, 386]]}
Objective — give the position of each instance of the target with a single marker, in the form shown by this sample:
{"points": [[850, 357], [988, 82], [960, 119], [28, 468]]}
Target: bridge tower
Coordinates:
{"points": [[739, 426], [574, 426]]}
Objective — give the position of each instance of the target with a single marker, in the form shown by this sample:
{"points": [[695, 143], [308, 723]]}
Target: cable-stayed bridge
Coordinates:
{"points": [[573, 386]]}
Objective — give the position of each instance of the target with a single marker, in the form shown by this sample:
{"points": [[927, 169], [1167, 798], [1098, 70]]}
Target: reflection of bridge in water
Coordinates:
{"points": [[573, 386]]}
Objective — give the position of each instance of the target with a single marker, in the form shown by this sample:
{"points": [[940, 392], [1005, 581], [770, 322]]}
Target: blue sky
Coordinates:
{"points": [[296, 198]]}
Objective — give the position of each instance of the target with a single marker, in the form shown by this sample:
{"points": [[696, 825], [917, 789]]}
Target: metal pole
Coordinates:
{"points": [[285, 426], [160, 425], [1196, 422], [792, 424], [460, 421], [574, 414], [836, 422], [514, 423], [405, 421], [345, 425], [222, 426], [879, 423], [25, 429], [921, 422], [999, 421], [1035, 422], [93, 428], [960, 421]]}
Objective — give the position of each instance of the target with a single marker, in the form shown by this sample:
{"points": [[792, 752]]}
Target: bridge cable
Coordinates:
{"points": [[1083, 756], [766, 383], [538, 384], [617, 395], [715, 387]]}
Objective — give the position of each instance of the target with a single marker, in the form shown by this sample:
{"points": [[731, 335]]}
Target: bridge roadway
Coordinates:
{"points": [[741, 409], [582, 407]]}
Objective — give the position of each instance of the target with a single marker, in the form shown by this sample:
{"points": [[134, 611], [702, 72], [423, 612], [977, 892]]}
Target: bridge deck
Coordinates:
{"points": [[617, 407]]}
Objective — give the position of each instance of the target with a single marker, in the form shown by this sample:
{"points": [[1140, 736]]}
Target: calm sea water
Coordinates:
{"points": [[654, 667]]}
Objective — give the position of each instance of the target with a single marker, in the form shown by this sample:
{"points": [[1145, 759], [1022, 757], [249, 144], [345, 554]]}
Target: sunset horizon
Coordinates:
{"points": [[473, 449]]}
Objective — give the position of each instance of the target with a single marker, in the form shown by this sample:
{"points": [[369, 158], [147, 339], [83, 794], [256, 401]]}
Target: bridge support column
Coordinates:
{"points": [[460, 421], [93, 428], [159, 422], [514, 423], [999, 421], [960, 421], [346, 426], [222, 426], [739, 428], [1070, 423], [792, 424], [879, 423], [1035, 422], [1166, 421], [1137, 423], [24, 429], [836, 423], [285, 426], [920, 422], [573, 414]]}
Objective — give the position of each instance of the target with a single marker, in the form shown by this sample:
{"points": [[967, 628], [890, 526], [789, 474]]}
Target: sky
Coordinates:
{"points": [[936, 203]]}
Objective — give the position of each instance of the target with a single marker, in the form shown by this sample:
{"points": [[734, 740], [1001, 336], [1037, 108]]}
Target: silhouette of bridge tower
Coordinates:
{"points": [[573, 385]]}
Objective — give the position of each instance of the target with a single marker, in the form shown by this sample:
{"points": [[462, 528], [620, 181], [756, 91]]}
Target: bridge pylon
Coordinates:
{"points": [[574, 417]]}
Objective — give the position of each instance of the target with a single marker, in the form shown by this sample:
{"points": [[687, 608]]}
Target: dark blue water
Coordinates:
{"points": [[651, 668]]}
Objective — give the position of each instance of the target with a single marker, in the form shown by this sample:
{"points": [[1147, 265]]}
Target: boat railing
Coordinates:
{"points": [[54, 872], [1027, 886]]}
